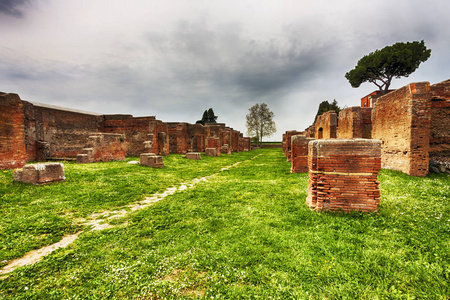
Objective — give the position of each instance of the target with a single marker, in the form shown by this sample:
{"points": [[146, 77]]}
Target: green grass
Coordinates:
{"points": [[244, 234]]}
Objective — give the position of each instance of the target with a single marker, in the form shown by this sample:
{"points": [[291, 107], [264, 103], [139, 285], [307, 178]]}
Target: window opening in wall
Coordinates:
{"points": [[320, 133]]}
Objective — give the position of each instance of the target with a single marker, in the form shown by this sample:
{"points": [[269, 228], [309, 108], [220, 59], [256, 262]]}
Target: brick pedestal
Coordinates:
{"points": [[343, 174]]}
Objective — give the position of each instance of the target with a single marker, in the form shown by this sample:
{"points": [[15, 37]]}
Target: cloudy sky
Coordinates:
{"points": [[175, 59]]}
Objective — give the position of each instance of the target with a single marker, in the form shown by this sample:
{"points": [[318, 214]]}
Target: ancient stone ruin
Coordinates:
{"points": [[40, 173], [103, 147], [343, 174], [33, 131], [412, 124], [286, 143], [299, 153]]}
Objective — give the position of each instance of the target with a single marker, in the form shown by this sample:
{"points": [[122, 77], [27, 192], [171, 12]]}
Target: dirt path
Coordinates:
{"points": [[98, 221]]}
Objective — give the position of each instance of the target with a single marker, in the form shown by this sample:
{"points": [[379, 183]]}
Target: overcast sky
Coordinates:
{"points": [[175, 59]]}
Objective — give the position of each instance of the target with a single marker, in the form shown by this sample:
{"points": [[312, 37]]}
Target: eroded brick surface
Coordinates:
{"points": [[299, 153], [355, 122], [103, 147], [12, 135], [326, 126], [401, 120], [343, 174]]}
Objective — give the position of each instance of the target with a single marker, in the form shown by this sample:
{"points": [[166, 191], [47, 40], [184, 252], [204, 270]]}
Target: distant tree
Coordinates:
{"points": [[381, 66], [325, 106], [208, 117], [260, 122], [211, 116]]}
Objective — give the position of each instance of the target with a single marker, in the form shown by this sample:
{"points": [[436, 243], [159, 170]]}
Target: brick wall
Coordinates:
{"points": [[12, 135], [286, 142], [355, 122], [440, 122], [65, 131], [299, 153], [136, 130], [401, 120], [159, 137], [235, 141], [343, 174], [107, 146], [326, 126]]}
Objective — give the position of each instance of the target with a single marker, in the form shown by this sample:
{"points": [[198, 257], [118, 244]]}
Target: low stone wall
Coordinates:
{"points": [[343, 174]]}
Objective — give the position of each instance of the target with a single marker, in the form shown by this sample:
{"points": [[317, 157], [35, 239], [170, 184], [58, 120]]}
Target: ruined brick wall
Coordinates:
{"points": [[213, 143], [310, 131], [235, 141], [299, 153], [247, 144], [159, 136], [12, 135], [135, 129], [107, 146], [401, 120], [172, 131], [343, 174], [64, 131], [326, 126], [196, 138], [286, 142], [355, 122], [182, 138], [440, 122], [226, 138]]}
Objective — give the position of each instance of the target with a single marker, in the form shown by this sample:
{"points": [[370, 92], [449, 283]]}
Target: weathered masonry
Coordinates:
{"points": [[413, 124], [12, 137], [326, 126], [299, 153], [343, 174], [32, 131]]}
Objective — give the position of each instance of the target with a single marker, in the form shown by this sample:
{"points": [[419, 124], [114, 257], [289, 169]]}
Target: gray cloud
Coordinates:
{"points": [[174, 60], [13, 7]]}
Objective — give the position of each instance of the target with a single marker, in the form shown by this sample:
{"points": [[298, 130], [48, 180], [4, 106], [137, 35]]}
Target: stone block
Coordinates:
{"points": [[193, 155], [82, 159], [224, 149], [151, 160], [87, 156], [40, 173], [211, 152]]}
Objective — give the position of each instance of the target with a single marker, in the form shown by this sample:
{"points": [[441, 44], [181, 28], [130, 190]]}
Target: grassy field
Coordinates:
{"points": [[245, 233]]}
